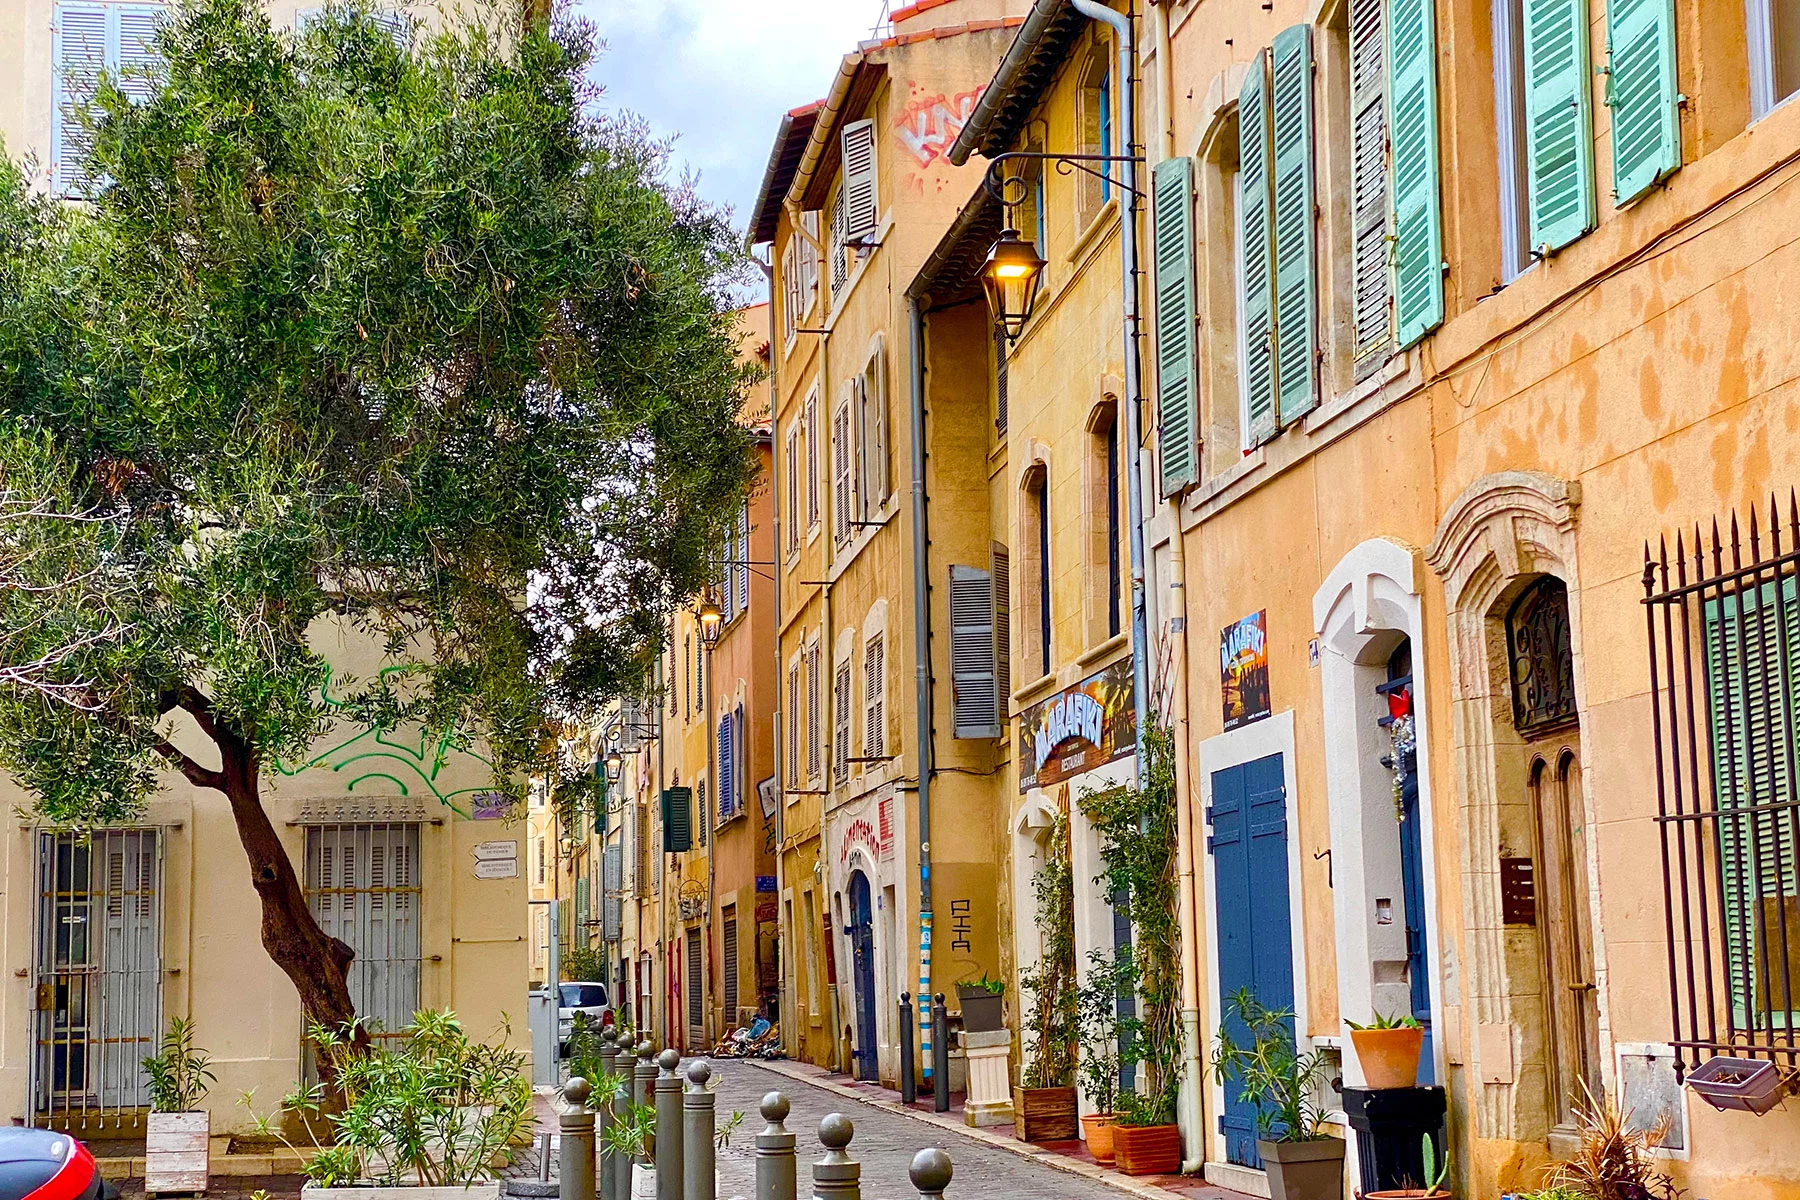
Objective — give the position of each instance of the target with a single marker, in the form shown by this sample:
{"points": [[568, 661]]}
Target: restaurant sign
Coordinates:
{"points": [[1076, 730]]}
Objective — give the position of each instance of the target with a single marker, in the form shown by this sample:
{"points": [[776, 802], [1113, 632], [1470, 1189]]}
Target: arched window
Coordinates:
{"points": [[1541, 662]]}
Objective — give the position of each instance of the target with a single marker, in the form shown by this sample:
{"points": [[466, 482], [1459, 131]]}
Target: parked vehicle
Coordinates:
{"points": [[587, 998], [38, 1164]]}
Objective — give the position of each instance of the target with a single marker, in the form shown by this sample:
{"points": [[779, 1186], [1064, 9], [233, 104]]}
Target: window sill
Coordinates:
{"points": [[1104, 222], [1042, 686], [1106, 649]]}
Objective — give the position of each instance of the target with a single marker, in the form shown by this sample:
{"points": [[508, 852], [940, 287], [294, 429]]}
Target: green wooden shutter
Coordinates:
{"points": [[1745, 645], [1255, 278], [1418, 234], [1177, 383], [1642, 92], [1559, 150], [678, 820], [1369, 200], [1296, 334]]}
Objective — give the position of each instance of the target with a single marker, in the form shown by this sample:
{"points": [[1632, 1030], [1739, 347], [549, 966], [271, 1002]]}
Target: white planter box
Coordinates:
{"points": [[176, 1154], [643, 1182], [489, 1190]]}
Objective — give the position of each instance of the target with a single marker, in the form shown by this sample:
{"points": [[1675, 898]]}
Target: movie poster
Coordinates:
{"points": [[1244, 669]]}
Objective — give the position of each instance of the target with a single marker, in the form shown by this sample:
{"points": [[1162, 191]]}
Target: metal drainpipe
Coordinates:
{"points": [[778, 558], [1140, 634], [921, 543], [1192, 1070]]}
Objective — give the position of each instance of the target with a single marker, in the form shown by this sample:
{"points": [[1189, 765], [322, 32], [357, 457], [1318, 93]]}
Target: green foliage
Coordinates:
{"points": [[583, 964], [1051, 1019], [1383, 1021], [409, 339], [1098, 1002], [633, 1133], [178, 1074], [1136, 826], [435, 1107], [722, 1135], [1279, 1081], [1435, 1172], [993, 987]]}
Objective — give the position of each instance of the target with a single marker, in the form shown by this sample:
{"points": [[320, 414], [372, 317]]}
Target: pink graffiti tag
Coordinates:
{"points": [[927, 127]]}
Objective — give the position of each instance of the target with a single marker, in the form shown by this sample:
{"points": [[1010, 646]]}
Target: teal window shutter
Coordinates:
{"points": [[1177, 383], [1418, 234], [1296, 334], [1559, 147], [1369, 200], [1643, 95], [1752, 646], [1256, 277]]}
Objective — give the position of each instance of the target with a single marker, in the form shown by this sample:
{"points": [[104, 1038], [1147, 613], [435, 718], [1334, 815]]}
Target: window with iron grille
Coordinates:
{"points": [[362, 885], [1541, 662], [1723, 621]]}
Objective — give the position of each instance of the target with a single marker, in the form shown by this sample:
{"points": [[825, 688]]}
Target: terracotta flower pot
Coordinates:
{"points": [[1097, 1132], [1147, 1149], [1389, 1057], [1408, 1194]]}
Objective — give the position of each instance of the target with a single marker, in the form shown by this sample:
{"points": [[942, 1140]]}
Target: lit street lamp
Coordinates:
{"points": [[1010, 277]]}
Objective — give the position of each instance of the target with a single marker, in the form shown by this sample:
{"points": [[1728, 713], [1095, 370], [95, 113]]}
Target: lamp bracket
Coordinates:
{"points": [[995, 183]]}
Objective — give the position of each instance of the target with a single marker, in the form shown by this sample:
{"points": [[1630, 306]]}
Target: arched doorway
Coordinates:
{"points": [[862, 950]]}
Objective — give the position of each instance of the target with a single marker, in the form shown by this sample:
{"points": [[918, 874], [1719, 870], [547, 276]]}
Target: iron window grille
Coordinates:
{"points": [[1723, 621], [1540, 659]]}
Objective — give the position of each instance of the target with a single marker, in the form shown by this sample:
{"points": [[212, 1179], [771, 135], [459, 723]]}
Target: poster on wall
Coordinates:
{"points": [[1244, 669], [1078, 729]]}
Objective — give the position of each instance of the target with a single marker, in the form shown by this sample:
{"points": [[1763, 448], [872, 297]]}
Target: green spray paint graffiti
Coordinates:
{"points": [[415, 762]]}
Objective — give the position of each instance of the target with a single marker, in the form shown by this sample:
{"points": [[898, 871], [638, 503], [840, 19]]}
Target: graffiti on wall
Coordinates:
{"points": [[929, 124]]}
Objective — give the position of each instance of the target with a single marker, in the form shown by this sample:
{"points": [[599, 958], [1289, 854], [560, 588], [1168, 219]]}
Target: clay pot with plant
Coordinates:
{"points": [[1097, 1000], [1388, 1050], [1255, 1049], [1435, 1174]]}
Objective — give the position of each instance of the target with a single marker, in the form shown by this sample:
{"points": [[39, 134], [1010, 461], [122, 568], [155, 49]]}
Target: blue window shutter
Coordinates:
{"points": [[1177, 381], [1418, 234], [138, 61], [1296, 336], [81, 48], [1256, 276], [1642, 92], [1559, 149]]}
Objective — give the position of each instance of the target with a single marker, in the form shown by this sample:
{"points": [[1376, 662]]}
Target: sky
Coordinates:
{"points": [[717, 75]]}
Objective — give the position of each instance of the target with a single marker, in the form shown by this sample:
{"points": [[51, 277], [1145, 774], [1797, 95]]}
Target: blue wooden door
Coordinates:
{"points": [[1412, 883], [862, 946], [1253, 925]]}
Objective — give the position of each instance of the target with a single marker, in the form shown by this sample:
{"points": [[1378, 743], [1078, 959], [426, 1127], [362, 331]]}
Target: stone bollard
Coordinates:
{"points": [[668, 1127], [909, 1089], [697, 1126], [930, 1173], [940, 1055], [609, 1049], [776, 1176], [836, 1176], [644, 1074], [621, 1163], [603, 1118], [575, 1164]]}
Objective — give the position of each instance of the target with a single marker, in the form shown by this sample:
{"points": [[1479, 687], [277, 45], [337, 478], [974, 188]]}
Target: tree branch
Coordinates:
{"points": [[196, 774]]}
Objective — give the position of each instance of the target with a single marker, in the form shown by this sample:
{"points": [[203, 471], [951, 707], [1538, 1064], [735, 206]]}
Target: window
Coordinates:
{"points": [[975, 698], [1774, 52], [1558, 145], [872, 481], [1177, 381], [706, 810], [811, 434], [1106, 519], [793, 488], [91, 39], [812, 714], [842, 475], [840, 727], [1542, 661], [1509, 113], [728, 781], [809, 262], [687, 658], [790, 288], [859, 194], [793, 723], [838, 251], [362, 887], [543, 857], [874, 699], [1094, 190], [1034, 533]]}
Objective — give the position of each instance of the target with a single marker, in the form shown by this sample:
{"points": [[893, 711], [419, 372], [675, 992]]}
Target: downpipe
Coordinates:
{"points": [[921, 543]]}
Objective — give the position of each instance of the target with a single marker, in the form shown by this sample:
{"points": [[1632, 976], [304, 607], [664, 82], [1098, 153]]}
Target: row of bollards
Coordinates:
{"points": [[684, 1154]]}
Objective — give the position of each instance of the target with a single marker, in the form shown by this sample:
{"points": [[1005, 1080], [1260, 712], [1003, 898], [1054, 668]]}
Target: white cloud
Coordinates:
{"points": [[717, 75]]}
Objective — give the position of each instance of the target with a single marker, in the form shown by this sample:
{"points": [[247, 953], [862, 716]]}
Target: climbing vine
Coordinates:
{"points": [[1053, 1020], [1136, 826]]}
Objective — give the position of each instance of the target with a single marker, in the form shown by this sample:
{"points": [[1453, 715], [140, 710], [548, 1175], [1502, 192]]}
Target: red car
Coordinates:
{"points": [[37, 1164]]}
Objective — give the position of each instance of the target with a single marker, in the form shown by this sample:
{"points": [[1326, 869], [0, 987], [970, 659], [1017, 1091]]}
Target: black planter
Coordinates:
{"points": [[982, 1011], [1389, 1125]]}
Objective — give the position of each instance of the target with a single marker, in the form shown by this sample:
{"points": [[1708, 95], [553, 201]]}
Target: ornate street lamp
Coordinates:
{"points": [[615, 762], [1010, 277], [711, 619]]}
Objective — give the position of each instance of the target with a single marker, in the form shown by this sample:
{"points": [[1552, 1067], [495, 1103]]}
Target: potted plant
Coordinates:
{"points": [[176, 1154], [1435, 1173], [1302, 1160], [1097, 1001], [631, 1136], [1044, 1105], [1388, 1050], [1611, 1160], [432, 1110], [983, 1005], [1136, 828]]}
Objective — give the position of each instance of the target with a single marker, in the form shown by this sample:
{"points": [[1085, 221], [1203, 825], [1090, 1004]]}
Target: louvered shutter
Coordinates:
{"points": [[841, 462], [706, 811], [1418, 233], [1000, 385], [1255, 252], [1558, 140], [1296, 338], [793, 487], [874, 699], [861, 196], [812, 461], [1369, 181], [612, 881], [812, 713], [678, 820], [1746, 642], [581, 909], [696, 999], [138, 64], [727, 767], [1643, 94], [974, 700], [793, 725], [1000, 568], [80, 49], [743, 560], [840, 726], [740, 757], [1177, 381], [840, 257], [730, 970]]}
